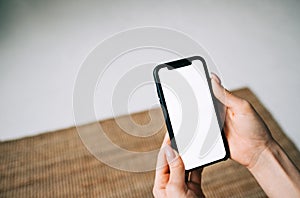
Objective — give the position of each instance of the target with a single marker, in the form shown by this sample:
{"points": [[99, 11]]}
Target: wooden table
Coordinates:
{"points": [[58, 164]]}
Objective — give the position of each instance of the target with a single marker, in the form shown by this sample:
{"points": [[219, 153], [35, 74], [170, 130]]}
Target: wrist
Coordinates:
{"points": [[265, 157], [260, 153], [275, 173]]}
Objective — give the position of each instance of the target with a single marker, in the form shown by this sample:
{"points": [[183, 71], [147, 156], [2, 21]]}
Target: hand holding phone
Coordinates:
{"points": [[189, 108]]}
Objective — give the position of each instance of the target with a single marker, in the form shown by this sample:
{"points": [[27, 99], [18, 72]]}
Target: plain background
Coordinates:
{"points": [[42, 44]]}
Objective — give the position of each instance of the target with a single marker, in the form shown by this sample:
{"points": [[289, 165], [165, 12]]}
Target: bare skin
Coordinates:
{"points": [[170, 175], [250, 144]]}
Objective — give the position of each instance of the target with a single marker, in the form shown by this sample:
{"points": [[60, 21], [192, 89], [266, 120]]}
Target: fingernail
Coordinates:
{"points": [[170, 153]]}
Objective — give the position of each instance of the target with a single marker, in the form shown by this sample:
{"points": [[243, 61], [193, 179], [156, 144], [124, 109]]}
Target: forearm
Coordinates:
{"points": [[276, 174]]}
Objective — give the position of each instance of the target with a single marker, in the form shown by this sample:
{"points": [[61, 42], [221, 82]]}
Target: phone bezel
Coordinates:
{"points": [[183, 63]]}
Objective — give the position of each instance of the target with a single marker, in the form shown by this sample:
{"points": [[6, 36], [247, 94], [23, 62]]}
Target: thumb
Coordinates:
{"points": [[177, 171], [223, 95]]}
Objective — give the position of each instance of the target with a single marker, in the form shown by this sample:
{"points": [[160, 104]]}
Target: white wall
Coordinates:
{"points": [[43, 43]]}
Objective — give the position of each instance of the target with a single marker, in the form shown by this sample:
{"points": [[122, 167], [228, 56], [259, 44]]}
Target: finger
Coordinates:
{"points": [[215, 77], [195, 176], [166, 140], [223, 95], [162, 169], [176, 166], [161, 158], [221, 108]]}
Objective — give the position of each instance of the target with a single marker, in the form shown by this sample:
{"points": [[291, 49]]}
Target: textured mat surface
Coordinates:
{"points": [[58, 164]]}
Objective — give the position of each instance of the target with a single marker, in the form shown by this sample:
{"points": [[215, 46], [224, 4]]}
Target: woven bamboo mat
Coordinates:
{"points": [[57, 164]]}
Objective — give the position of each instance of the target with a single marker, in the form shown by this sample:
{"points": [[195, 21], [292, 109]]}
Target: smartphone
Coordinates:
{"points": [[189, 108]]}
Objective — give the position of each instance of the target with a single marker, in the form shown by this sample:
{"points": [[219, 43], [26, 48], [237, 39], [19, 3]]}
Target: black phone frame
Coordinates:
{"points": [[174, 65]]}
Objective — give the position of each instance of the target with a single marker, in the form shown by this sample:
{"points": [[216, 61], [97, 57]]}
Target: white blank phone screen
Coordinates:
{"points": [[192, 115]]}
